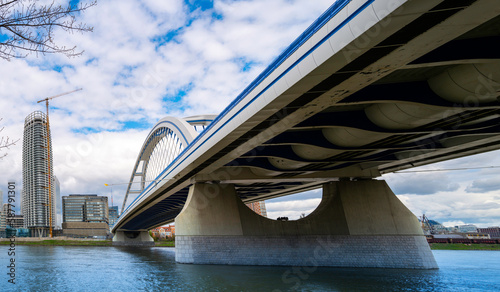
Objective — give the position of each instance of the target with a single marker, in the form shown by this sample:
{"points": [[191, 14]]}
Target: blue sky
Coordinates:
{"points": [[149, 59]]}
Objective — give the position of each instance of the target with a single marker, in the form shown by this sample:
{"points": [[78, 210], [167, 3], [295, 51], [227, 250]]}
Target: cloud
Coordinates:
{"points": [[467, 192], [420, 183], [453, 223], [293, 206], [482, 209], [144, 60], [484, 185], [292, 209], [314, 194]]}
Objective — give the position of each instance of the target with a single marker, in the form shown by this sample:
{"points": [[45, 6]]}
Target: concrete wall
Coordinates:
{"points": [[210, 209], [406, 252], [85, 228], [133, 238], [360, 223]]}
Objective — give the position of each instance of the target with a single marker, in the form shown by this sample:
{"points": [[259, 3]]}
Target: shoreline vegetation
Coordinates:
{"points": [[80, 242], [464, 246], [69, 242], [58, 242]]}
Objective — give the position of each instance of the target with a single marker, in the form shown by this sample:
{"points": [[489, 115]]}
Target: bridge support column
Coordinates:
{"points": [[133, 238], [357, 224]]}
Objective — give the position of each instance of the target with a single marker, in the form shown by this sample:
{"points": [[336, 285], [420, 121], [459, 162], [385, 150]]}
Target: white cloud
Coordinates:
{"points": [[482, 209], [139, 57], [411, 183], [467, 192], [453, 223], [293, 206], [484, 185]]}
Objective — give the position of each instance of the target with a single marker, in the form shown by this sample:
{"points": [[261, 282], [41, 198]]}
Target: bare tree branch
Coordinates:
{"points": [[28, 27], [5, 143]]}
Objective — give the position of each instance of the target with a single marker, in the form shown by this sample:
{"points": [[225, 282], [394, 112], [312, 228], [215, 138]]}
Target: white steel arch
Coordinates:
{"points": [[164, 143]]}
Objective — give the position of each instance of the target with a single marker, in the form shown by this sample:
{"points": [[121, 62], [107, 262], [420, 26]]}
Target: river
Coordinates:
{"points": [[69, 268]]}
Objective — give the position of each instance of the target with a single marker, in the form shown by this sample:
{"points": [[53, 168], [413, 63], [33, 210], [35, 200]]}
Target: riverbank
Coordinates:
{"points": [[71, 242], [462, 246], [165, 243], [61, 242], [95, 242]]}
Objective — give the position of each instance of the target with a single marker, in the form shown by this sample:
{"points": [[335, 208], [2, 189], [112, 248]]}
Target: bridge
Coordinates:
{"points": [[371, 87]]}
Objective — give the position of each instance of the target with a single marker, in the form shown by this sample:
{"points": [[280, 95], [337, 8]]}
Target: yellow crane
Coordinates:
{"points": [[426, 225], [48, 152]]}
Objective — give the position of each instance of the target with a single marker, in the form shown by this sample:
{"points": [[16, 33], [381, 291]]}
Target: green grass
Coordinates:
{"points": [[461, 246], [79, 243], [61, 242], [165, 243]]}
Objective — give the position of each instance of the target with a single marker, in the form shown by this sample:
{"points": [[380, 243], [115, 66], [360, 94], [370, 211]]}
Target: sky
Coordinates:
{"points": [[149, 59]]}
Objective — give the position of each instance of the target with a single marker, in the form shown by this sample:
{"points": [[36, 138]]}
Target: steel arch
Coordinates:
{"points": [[163, 144]]}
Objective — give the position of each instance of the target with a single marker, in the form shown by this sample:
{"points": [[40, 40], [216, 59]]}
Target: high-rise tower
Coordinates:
{"points": [[36, 171]]}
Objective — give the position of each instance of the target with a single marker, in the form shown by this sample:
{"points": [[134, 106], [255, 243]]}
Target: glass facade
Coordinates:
{"points": [[113, 215], [36, 168], [85, 208], [58, 203]]}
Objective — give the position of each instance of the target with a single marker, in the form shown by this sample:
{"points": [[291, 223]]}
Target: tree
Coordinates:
{"points": [[5, 143], [27, 26]]}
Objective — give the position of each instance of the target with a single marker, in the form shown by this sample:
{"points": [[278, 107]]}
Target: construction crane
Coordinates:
{"points": [[48, 152], [426, 225]]}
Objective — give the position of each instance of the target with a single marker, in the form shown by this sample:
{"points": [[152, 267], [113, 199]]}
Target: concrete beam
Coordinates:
{"points": [[244, 174]]}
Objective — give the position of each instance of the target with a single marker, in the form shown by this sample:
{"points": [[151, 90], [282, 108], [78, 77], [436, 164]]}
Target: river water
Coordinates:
{"points": [[67, 268]]}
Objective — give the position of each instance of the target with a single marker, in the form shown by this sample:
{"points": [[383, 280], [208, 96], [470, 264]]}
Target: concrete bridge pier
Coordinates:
{"points": [[357, 224], [133, 238]]}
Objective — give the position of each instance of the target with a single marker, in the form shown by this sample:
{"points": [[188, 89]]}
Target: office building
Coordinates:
{"points": [[12, 221], [466, 228], [38, 199], [113, 216], [17, 221], [3, 215], [2, 218], [58, 203], [85, 208], [163, 232], [493, 231], [258, 207], [85, 215]]}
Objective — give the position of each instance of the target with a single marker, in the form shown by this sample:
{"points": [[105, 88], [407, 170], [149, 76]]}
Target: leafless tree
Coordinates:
{"points": [[5, 143], [28, 26]]}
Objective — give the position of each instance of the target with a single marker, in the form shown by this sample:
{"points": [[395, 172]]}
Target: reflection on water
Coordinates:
{"points": [[64, 268]]}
